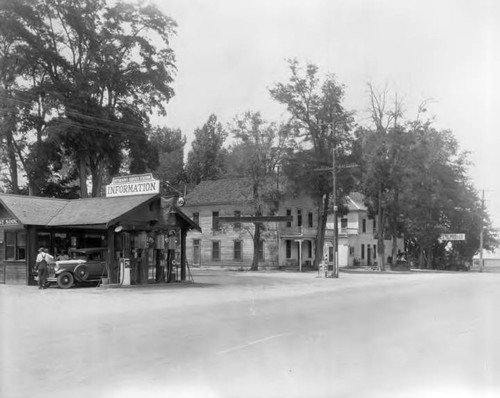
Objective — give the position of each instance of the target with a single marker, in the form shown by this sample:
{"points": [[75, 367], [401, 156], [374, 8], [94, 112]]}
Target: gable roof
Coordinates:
{"points": [[33, 210], [224, 191], [356, 201], [98, 210]]}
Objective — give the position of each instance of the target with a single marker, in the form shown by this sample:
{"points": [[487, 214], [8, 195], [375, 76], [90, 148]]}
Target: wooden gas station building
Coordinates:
{"points": [[129, 226]]}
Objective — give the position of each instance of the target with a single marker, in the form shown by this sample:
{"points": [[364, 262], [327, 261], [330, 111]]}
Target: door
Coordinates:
{"points": [[368, 255]]}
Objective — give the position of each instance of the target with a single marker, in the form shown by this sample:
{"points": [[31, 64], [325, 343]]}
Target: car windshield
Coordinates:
{"points": [[78, 256]]}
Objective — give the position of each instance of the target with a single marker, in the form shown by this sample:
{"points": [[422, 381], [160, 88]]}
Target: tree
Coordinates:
{"points": [[385, 151], [97, 64], [169, 143], [321, 125], [440, 199], [255, 155], [206, 158]]}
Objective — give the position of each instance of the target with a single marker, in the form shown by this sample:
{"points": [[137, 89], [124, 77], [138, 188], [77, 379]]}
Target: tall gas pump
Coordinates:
{"points": [[125, 259]]}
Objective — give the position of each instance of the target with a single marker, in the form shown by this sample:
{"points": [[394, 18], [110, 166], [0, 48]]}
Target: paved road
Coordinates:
{"points": [[257, 335]]}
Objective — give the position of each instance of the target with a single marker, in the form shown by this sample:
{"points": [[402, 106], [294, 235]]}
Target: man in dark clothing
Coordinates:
{"points": [[42, 268]]}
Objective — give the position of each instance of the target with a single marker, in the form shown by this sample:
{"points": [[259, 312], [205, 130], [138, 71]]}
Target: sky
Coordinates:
{"points": [[230, 52]]}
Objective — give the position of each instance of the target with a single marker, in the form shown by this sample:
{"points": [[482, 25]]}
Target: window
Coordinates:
{"points": [[364, 225], [362, 251], [196, 218], [299, 218], [237, 250], [15, 245], [288, 249], [310, 216], [374, 251], [215, 221], [288, 213], [260, 253], [374, 225], [237, 225], [216, 251], [196, 251], [343, 223]]}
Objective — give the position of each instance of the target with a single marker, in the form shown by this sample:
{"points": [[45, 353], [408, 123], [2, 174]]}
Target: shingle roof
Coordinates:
{"points": [[225, 191], [97, 210], [33, 210]]}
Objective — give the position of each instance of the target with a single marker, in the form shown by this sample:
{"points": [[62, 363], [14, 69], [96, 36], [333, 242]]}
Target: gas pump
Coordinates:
{"points": [[125, 271], [125, 260]]}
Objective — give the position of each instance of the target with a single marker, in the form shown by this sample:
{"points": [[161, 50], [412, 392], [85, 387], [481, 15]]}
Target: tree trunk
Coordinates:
{"points": [[320, 237], [429, 257], [97, 179], [11, 155], [380, 237], [256, 241], [394, 246], [82, 170]]}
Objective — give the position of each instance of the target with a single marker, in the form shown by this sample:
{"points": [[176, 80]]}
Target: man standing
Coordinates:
{"points": [[42, 260]]}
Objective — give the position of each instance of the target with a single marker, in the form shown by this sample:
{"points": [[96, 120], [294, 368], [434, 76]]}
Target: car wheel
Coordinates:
{"points": [[65, 280], [81, 272]]}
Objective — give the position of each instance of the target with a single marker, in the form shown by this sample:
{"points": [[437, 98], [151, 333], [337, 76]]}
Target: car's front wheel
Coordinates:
{"points": [[65, 280]]}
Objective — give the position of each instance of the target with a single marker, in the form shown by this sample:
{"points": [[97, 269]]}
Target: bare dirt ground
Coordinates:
{"points": [[243, 334]]}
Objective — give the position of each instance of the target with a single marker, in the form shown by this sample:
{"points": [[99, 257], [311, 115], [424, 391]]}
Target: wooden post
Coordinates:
{"points": [[111, 254], [183, 254]]}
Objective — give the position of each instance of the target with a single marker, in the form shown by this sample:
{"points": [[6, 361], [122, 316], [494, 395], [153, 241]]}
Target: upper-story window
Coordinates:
{"points": [[196, 218], [343, 223], [299, 218], [364, 225], [289, 213], [374, 225], [215, 220], [310, 220]]}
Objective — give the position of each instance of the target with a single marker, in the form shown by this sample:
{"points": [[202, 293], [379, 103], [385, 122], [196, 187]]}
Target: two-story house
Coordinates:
{"points": [[290, 243]]}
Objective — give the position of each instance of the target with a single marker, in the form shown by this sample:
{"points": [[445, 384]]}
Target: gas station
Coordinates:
{"points": [[143, 232]]}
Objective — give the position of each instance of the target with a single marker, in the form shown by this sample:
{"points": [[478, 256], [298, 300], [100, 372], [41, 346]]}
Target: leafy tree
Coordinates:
{"points": [[255, 155], [385, 153], [321, 125], [11, 67], [207, 156], [169, 143], [441, 199], [104, 77]]}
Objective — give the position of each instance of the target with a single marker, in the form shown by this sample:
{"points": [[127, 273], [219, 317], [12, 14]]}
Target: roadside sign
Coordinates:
{"points": [[452, 237]]}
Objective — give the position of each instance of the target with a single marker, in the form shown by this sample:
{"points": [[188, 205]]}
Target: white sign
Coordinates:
{"points": [[452, 237], [143, 184], [8, 221]]}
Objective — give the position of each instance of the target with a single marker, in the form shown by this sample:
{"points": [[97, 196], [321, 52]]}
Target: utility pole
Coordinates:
{"points": [[335, 273], [481, 238]]}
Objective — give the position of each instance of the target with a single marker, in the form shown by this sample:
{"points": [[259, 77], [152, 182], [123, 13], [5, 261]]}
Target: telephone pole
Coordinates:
{"points": [[335, 273], [481, 237]]}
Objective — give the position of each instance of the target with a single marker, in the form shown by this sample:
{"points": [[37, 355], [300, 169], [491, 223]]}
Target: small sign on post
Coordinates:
{"points": [[452, 237]]}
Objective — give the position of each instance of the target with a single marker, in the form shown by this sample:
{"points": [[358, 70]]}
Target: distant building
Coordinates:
{"points": [[283, 244]]}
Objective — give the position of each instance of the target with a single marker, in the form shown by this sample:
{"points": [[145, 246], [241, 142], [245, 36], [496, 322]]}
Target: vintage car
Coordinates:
{"points": [[81, 266]]}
